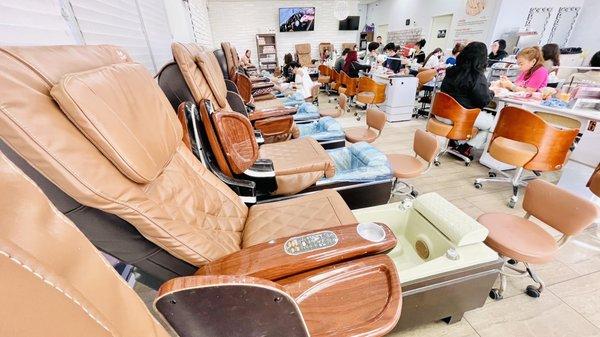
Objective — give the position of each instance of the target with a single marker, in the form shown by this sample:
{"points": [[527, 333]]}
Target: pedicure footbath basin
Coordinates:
{"points": [[444, 267]]}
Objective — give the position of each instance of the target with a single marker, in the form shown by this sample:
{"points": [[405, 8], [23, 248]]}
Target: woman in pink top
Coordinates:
{"points": [[533, 76]]}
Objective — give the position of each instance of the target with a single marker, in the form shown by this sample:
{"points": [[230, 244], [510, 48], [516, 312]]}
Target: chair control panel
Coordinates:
{"points": [[307, 243]]}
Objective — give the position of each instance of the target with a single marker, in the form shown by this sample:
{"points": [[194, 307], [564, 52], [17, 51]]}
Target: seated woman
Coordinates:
{"points": [[395, 64], [288, 74], [533, 76], [245, 60], [419, 54], [498, 53], [352, 67], [591, 76], [451, 60], [467, 84], [432, 61], [371, 57], [326, 55], [339, 63], [551, 54]]}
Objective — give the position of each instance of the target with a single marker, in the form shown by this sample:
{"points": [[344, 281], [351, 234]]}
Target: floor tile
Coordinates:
{"points": [[438, 329], [523, 316], [583, 295]]}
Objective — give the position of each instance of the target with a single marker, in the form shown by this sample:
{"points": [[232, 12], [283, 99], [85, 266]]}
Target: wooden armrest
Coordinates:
{"points": [[271, 112], [277, 259], [229, 306]]}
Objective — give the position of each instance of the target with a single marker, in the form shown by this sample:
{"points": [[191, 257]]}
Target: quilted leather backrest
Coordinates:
{"points": [[236, 136], [186, 210], [132, 127], [200, 69], [235, 57], [54, 282], [226, 46]]}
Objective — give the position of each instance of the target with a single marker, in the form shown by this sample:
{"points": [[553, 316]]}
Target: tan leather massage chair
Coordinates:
{"points": [[194, 76], [88, 121], [252, 89], [303, 55], [461, 126], [225, 143], [55, 283]]}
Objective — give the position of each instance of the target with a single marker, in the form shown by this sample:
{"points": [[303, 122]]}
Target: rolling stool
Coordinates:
{"points": [[528, 142], [426, 146], [375, 124], [518, 239], [450, 120]]}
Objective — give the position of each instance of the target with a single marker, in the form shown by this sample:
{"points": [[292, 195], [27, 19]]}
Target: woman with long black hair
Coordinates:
{"points": [[467, 84]]}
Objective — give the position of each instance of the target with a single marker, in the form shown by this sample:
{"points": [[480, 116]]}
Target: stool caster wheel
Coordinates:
{"points": [[358, 118], [437, 163], [478, 186], [414, 193], [495, 294], [532, 291], [512, 203], [492, 174], [467, 163], [512, 262]]}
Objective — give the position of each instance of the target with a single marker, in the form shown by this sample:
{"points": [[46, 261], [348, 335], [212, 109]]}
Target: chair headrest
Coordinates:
{"points": [[134, 128], [201, 71], [303, 48]]}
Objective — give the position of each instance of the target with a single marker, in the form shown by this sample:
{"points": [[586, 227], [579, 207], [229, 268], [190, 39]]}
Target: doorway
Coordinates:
{"points": [[439, 35], [383, 31]]}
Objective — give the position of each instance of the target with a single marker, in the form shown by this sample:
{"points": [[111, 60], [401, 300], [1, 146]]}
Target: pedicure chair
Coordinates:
{"points": [[251, 88], [195, 77], [224, 142], [42, 258], [112, 160]]}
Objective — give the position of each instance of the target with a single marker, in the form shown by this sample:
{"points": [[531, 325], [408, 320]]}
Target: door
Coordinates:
{"points": [[382, 30], [439, 34]]}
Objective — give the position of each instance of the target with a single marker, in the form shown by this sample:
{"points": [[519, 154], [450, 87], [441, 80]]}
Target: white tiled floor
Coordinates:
{"points": [[569, 306]]}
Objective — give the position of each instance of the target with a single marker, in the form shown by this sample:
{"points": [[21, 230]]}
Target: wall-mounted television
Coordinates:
{"points": [[296, 19], [350, 23]]}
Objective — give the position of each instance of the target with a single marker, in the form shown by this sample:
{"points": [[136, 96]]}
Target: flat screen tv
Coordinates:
{"points": [[350, 23], [296, 19]]}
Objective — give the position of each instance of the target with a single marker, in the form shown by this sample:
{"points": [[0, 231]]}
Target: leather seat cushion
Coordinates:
{"points": [[333, 112], [511, 151], [518, 238], [267, 104], [263, 97], [361, 134], [405, 166], [334, 85], [438, 128], [365, 97], [323, 79], [298, 164], [342, 90], [315, 211]]}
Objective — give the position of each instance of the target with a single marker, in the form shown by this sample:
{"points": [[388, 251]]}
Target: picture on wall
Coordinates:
{"points": [[296, 19]]}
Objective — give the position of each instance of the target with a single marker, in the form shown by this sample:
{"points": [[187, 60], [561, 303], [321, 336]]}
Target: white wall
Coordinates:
{"points": [[513, 14], [395, 12], [239, 21], [179, 21], [585, 33]]}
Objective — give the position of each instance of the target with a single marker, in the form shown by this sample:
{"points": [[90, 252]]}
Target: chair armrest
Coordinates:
{"points": [[271, 112], [280, 258], [246, 306]]}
